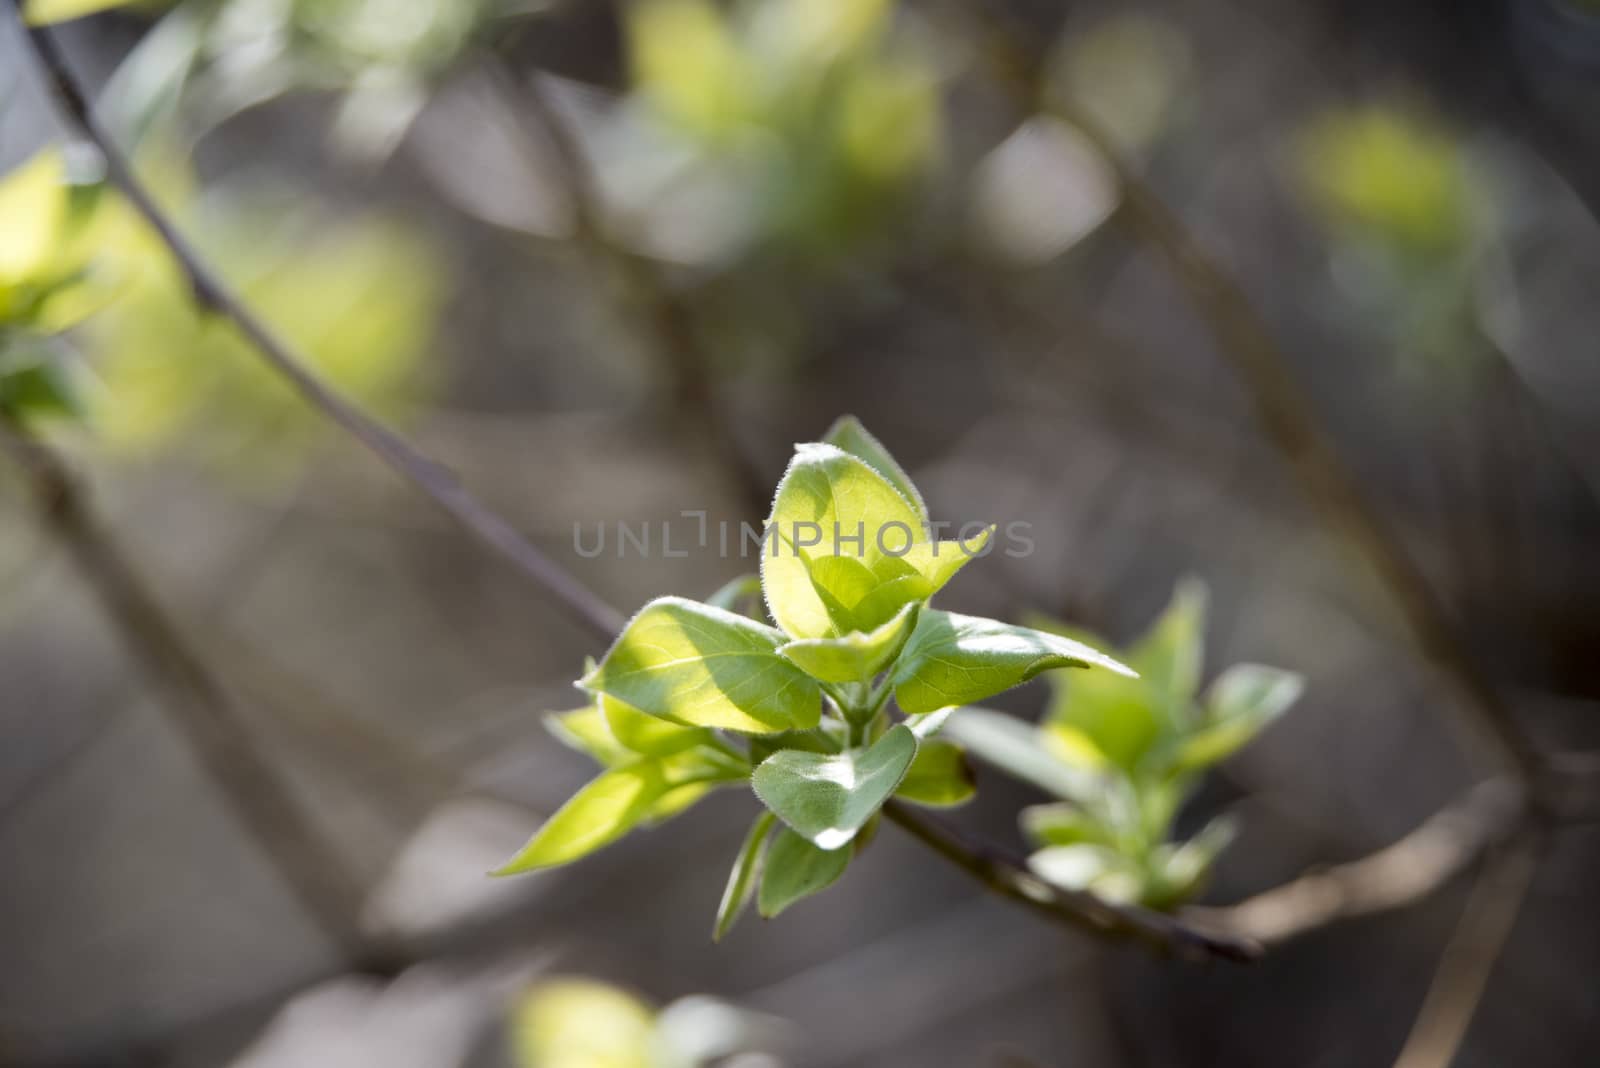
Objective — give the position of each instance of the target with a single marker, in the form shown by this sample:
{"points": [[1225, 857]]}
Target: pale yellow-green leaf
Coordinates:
{"points": [[690, 663], [581, 1023], [44, 12], [852, 657], [939, 777]]}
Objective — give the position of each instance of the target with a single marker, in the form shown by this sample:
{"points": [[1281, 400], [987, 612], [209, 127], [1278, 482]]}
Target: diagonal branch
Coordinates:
{"points": [[200, 706], [212, 295], [1424, 861], [1006, 876]]}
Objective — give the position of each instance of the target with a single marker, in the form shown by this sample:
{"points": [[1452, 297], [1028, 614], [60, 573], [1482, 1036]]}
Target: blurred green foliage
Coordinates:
{"points": [[1124, 753], [845, 110], [358, 297]]}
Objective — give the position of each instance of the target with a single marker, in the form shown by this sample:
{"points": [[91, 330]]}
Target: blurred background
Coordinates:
{"points": [[607, 262]]}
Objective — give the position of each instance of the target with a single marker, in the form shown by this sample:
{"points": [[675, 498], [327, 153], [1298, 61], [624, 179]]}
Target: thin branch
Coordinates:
{"points": [[212, 295], [1469, 959], [1289, 419], [1009, 878], [1424, 861], [200, 706]]}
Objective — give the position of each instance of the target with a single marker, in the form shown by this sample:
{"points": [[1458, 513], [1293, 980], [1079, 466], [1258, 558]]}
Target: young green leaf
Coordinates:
{"points": [[1179, 871], [1120, 719], [585, 729], [831, 506], [853, 657], [742, 879], [827, 799], [1239, 704], [690, 663], [745, 588], [597, 815], [848, 434], [1101, 869], [1063, 823], [939, 777], [649, 735], [953, 660], [618, 800], [796, 869], [1169, 656], [1013, 746]]}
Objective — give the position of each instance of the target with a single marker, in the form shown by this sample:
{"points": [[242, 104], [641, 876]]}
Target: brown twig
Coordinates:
{"points": [[1422, 862], [1008, 877], [212, 295], [1469, 958], [200, 706]]}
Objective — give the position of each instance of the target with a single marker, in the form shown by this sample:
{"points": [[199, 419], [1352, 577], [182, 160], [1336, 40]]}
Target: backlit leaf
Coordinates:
{"points": [[827, 798]]}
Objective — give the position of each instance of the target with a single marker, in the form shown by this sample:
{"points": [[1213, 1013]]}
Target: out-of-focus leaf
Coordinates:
{"points": [[855, 656], [1178, 872], [1169, 655], [729, 596], [796, 869], [1239, 705], [580, 1023], [939, 777], [1062, 824], [848, 434], [954, 660], [1115, 715], [827, 799], [742, 879], [688, 64], [690, 663], [889, 120], [45, 12], [1013, 746]]}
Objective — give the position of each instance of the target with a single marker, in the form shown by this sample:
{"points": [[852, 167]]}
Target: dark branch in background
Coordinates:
{"points": [[1009, 877], [1429, 858], [665, 312], [213, 296], [200, 706]]}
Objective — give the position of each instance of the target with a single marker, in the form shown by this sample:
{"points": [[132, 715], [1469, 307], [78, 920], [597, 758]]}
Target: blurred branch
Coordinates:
{"points": [[213, 296], [1286, 413], [1422, 862], [200, 705], [1009, 878], [667, 316], [1469, 958]]}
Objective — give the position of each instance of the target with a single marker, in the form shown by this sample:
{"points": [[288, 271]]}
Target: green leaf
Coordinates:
{"points": [[731, 593], [44, 12], [1169, 656], [1180, 871], [853, 657], [581, 1023], [939, 777], [827, 799], [1014, 747], [1063, 823], [827, 497], [585, 729], [848, 434], [687, 662], [649, 735], [1096, 711], [36, 385], [954, 660], [597, 815], [619, 799], [1241, 702], [796, 869], [741, 880]]}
